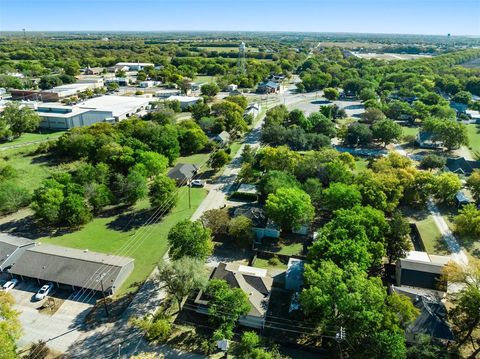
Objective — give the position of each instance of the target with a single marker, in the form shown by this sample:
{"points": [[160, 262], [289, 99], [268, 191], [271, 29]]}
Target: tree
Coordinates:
{"points": [[464, 97], [210, 89], [273, 180], [12, 196], [279, 158], [450, 132], [446, 186], [314, 188], [75, 211], [359, 135], [432, 161], [199, 110], [240, 100], [189, 239], [47, 201], [240, 228], [162, 193], [467, 222], [219, 158], [386, 131], [340, 195], [17, 119], [182, 276], [372, 115], [225, 306], [10, 329], [250, 347], [331, 93], [98, 195], [153, 162], [398, 241], [473, 184], [134, 187], [217, 220], [192, 138], [162, 116], [290, 208]]}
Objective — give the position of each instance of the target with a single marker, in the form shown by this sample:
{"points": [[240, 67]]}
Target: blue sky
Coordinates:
{"points": [[458, 17]]}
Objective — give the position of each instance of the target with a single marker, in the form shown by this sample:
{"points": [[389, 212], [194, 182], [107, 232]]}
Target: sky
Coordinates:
{"points": [[458, 17]]}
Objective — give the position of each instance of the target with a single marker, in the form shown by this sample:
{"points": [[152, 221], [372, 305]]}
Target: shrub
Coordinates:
{"points": [[274, 261], [159, 330]]}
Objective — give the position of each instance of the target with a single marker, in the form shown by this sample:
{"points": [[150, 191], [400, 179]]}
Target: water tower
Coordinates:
{"points": [[241, 59]]}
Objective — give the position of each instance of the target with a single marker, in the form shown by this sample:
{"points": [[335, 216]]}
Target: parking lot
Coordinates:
{"points": [[60, 326]]}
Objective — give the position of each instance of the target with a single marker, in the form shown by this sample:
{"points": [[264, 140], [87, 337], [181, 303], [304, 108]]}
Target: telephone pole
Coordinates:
{"points": [[340, 337]]}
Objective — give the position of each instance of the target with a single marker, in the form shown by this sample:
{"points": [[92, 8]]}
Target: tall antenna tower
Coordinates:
{"points": [[242, 68], [24, 33]]}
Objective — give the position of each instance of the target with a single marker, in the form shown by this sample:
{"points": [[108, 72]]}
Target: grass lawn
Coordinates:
{"points": [[263, 263], [204, 79], [290, 249], [234, 147], [109, 234], [431, 236], [31, 137], [196, 159], [474, 138], [360, 164], [409, 131]]}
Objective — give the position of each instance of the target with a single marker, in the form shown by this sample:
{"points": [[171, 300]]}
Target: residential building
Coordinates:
{"points": [[98, 109], [261, 225], [11, 248], [182, 173], [93, 70], [294, 274], [166, 93], [459, 107], [255, 282], [461, 199], [121, 81], [148, 84], [232, 87], [223, 138], [419, 269], [462, 166], [252, 109], [268, 87], [424, 140], [73, 267]]}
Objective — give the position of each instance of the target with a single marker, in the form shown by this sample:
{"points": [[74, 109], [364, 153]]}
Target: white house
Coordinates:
{"points": [[232, 87], [185, 101]]}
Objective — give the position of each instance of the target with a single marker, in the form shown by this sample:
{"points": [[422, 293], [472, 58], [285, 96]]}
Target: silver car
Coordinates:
{"points": [[9, 285], [44, 291]]}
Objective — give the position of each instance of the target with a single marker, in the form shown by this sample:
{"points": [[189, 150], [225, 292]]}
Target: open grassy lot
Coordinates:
{"points": [[32, 137], [409, 131], [474, 138], [109, 233], [204, 79], [431, 236]]}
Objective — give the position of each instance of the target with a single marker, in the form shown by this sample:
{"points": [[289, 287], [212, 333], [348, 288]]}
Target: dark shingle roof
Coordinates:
{"points": [[8, 245], [462, 165], [256, 214], [432, 319], [182, 171], [69, 266]]}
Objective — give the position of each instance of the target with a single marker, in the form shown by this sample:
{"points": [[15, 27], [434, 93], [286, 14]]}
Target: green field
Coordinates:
{"points": [[109, 234], [360, 164], [409, 131], [431, 236], [31, 137], [474, 138], [204, 79]]}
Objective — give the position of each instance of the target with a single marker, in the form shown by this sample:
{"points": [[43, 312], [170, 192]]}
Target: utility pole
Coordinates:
{"points": [[190, 193], [103, 293], [340, 337]]}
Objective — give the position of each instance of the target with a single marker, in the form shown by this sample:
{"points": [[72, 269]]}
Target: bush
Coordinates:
{"points": [[159, 330], [432, 161], [274, 261], [13, 197], [44, 147]]}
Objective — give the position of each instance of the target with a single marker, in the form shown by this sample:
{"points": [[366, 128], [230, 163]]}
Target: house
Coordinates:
{"points": [[147, 84], [11, 248], [232, 87], [185, 101], [294, 274], [461, 166], [261, 225], [461, 199], [194, 86], [255, 282], [166, 93], [93, 70], [247, 189], [73, 267], [98, 109], [459, 107], [223, 138], [432, 320], [121, 81], [268, 87], [252, 109], [182, 173], [419, 269], [424, 140], [133, 66]]}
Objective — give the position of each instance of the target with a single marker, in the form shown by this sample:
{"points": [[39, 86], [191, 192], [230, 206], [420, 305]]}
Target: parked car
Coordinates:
{"points": [[44, 291], [197, 183], [9, 285]]}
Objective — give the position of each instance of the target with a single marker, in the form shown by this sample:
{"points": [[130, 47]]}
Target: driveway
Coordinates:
{"points": [[62, 324]]}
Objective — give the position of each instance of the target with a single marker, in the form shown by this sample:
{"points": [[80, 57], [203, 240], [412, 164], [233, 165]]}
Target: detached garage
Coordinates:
{"points": [[73, 267]]}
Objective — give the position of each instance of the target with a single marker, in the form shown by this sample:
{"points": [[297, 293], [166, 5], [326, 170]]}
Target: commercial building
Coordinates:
{"points": [[166, 93], [98, 109], [11, 248], [73, 267], [185, 101], [133, 66]]}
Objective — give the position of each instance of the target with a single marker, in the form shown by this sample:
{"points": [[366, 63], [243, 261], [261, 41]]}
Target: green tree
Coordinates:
{"points": [[473, 184], [446, 186], [240, 229], [290, 208], [163, 116], [135, 187], [12, 196], [10, 328], [278, 158], [432, 161], [467, 222], [75, 211], [331, 93], [387, 131], [162, 193], [398, 241], [225, 306], [153, 162], [359, 135], [182, 276], [464, 97], [200, 110], [341, 196], [17, 119], [192, 140], [210, 89], [273, 180], [189, 239], [47, 201], [98, 195], [450, 132], [373, 115], [219, 158], [217, 220]]}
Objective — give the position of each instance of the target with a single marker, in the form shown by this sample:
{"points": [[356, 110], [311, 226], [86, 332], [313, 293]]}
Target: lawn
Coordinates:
{"points": [[431, 236], [204, 79], [409, 131], [234, 147], [263, 263], [474, 138], [196, 159], [360, 164], [32, 137], [109, 234]]}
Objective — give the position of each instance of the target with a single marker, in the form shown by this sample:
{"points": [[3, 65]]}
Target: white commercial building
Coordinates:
{"points": [[134, 66], [77, 87], [99, 109], [185, 101]]}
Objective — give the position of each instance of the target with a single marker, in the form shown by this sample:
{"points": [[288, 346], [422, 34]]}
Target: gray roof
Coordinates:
{"points": [[11, 248], [420, 266], [70, 266], [183, 171], [294, 274], [432, 319], [462, 165], [223, 136], [256, 214]]}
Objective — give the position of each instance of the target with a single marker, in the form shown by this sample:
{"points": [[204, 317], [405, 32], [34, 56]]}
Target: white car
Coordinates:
{"points": [[197, 183], [44, 291], [10, 284]]}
